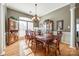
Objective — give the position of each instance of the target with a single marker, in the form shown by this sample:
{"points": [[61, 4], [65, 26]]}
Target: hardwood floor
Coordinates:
{"points": [[15, 50]]}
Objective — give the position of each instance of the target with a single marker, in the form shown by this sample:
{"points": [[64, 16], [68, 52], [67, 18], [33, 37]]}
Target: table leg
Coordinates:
{"points": [[46, 49]]}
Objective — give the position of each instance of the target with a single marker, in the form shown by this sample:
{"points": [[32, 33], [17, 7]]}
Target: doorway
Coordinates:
{"points": [[77, 32]]}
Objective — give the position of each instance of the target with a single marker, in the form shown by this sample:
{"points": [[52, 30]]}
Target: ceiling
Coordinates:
{"points": [[42, 8]]}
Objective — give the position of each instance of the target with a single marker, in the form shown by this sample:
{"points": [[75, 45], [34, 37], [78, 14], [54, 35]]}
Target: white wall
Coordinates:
{"points": [[66, 37]]}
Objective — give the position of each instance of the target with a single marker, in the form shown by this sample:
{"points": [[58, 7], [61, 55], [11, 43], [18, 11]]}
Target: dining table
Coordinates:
{"points": [[45, 39]]}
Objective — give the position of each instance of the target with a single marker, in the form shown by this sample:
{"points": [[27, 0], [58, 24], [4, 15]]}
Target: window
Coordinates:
{"points": [[22, 25], [27, 23], [77, 27], [30, 26], [25, 19]]}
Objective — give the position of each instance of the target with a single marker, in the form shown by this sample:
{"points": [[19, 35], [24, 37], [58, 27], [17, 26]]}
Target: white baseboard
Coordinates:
{"points": [[65, 42], [72, 47], [2, 54]]}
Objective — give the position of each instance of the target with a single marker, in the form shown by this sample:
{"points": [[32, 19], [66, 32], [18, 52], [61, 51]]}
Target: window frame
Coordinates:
{"points": [[26, 22]]}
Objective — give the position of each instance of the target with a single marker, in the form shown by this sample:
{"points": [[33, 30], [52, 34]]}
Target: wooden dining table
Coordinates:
{"points": [[45, 39]]}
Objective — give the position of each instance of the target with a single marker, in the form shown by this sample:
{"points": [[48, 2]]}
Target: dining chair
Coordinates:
{"points": [[28, 37], [59, 36], [37, 43], [55, 44], [33, 38]]}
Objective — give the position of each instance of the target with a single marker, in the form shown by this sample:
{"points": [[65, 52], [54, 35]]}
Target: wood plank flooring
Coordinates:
{"points": [[15, 50]]}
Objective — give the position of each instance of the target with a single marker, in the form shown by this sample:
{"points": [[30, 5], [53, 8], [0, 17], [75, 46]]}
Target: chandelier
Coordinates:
{"points": [[35, 18]]}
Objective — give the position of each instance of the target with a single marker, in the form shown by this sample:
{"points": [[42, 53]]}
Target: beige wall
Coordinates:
{"points": [[59, 14], [16, 14], [77, 12], [0, 29]]}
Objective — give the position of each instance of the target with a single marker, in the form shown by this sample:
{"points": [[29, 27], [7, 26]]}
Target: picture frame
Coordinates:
{"points": [[60, 24]]}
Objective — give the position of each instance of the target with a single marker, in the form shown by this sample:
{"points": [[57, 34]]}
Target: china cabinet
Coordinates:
{"points": [[48, 25], [12, 31]]}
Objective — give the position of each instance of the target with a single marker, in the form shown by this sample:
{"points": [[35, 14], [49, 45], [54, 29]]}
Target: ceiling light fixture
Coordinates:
{"points": [[35, 18]]}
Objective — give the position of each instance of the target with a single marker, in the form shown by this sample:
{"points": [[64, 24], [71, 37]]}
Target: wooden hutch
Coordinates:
{"points": [[49, 25], [12, 31]]}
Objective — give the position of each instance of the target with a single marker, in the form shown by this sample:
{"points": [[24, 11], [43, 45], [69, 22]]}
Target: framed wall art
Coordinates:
{"points": [[60, 24]]}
